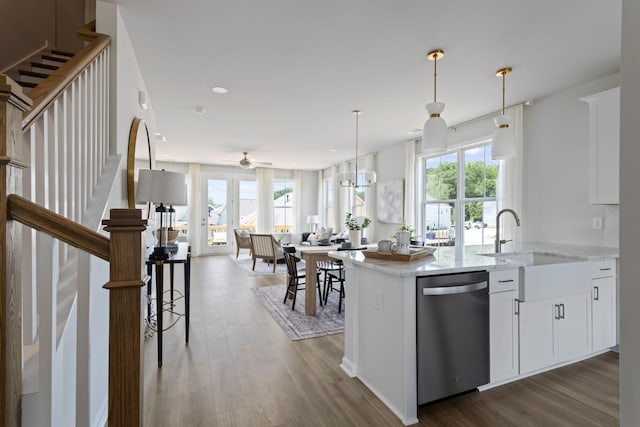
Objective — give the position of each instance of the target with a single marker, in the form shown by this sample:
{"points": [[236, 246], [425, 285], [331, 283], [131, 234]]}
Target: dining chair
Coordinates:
{"points": [[337, 275], [296, 281], [265, 246]]}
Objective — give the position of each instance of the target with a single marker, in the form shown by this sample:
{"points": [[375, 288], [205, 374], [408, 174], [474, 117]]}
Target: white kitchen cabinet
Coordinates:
{"points": [[604, 313], [503, 335], [554, 331], [503, 325], [604, 146]]}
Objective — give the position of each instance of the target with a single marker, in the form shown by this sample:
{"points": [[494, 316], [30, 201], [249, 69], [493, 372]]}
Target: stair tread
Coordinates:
{"points": [[43, 65], [54, 58], [61, 53], [33, 74], [27, 84]]}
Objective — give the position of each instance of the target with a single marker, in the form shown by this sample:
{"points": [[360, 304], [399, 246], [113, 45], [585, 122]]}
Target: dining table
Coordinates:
{"points": [[311, 254]]}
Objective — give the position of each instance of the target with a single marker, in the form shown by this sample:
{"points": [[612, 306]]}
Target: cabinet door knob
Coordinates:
{"points": [[596, 293], [557, 314], [516, 304]]}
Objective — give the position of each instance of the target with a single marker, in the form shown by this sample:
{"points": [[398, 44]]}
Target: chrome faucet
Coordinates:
{"points": [[498, 241]]}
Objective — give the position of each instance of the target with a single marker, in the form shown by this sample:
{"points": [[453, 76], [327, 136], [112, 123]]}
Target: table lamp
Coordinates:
{"points": [[313, 220], [164, 189]]}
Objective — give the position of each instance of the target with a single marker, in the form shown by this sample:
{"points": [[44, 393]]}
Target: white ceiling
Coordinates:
{"points": [[296, 68]]}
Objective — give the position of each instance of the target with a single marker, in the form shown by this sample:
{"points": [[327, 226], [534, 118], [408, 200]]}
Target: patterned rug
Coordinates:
{"points": [[296, 324], [262, 268]]}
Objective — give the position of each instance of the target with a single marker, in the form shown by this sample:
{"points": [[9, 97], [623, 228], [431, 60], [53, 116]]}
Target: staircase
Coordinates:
{"points": [[33, 71], [65, 343]]}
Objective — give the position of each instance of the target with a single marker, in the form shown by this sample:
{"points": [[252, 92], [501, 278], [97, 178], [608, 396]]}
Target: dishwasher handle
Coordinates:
{"points": [[448, 290]]}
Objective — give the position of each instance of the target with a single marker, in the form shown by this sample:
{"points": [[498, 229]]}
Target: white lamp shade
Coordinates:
{"points": [[313, 219], [159, 186], [435, 133], [347, 178], [369, 178], [503, 144]]}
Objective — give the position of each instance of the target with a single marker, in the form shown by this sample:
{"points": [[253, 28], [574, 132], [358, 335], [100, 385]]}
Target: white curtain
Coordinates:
{"points": [[195, 209], [410, 183], [297, 202], [337, 212], [264, 199], [510, 185], [345, 197], [368, 164]]}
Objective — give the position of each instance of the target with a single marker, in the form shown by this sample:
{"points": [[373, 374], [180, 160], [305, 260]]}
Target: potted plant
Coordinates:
{"points": [[355, 227]]}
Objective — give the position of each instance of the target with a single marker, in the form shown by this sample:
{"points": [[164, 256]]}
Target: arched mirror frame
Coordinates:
{"points": [[136, 137]]}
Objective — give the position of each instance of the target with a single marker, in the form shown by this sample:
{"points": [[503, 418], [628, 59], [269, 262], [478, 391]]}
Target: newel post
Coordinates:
{"points": [[125, 317], [12, 104]]}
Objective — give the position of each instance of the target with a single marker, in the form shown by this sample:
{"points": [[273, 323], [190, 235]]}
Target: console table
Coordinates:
{"points": [[181, 256]]}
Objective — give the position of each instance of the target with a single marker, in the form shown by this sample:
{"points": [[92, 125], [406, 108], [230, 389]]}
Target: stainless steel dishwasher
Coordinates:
{"points": [[452, 317]]}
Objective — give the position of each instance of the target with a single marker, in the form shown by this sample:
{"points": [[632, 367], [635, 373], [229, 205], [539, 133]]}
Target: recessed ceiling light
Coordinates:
{"points": [[200, 110], [165, 155], [333, 150], [219, 90]]}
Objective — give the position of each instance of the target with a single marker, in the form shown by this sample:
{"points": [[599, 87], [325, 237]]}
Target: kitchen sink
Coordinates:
{"points": [[545, 275]]}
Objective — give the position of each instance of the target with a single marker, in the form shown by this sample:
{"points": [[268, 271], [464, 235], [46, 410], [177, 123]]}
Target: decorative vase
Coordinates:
{"points": [[355, 237]]}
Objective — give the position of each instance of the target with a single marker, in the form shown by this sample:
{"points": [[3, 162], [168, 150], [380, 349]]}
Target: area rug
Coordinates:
{"points": [[262, 268], [295, 323]]}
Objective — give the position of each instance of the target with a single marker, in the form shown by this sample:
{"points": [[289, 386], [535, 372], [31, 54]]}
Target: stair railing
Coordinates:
{"points": [[56, 155]]}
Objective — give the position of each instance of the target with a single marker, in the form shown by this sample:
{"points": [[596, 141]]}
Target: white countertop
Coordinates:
{"points": [[444, 260]]}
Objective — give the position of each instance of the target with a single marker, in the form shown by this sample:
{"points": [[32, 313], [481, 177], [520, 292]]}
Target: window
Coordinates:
{"points": [[459, 198], [283, 214]]}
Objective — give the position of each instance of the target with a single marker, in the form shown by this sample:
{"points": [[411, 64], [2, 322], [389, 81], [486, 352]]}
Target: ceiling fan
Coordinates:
{"points": [[247, 163]]}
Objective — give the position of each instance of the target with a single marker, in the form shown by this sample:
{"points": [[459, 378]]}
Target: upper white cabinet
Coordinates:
{"points": [[604, 147]]}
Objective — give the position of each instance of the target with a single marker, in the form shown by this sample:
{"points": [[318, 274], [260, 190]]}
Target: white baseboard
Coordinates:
{"points": [[348, 367], [405, 420], [539, 371]]}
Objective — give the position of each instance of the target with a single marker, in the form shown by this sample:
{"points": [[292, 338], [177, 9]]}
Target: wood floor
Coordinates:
{"points": [[240, 369]]}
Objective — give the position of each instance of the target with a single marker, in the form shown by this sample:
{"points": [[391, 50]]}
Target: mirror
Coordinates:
{"points": [[138, 156]]}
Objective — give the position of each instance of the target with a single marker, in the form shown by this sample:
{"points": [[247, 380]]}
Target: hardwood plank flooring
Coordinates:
{"points": [[240, 369]]}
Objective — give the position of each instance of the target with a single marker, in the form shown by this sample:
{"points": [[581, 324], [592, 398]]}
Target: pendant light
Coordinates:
{"points": [[503, 143], [435, 132], [350, 179]]}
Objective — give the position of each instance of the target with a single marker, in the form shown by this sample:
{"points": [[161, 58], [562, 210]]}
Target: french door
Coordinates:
{"points": [[228, 202]]}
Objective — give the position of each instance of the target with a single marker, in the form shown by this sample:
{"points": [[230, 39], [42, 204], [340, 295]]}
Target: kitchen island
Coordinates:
{"points": [[380, 314]]}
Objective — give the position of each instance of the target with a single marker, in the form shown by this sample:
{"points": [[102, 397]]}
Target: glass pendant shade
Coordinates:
{"points": [[347, 179], [503, 143], [369, 178], [435, 133]]}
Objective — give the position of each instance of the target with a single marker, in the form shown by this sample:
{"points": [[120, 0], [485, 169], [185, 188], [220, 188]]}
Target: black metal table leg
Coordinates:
{"points": [[187, 294], [159, 282]]}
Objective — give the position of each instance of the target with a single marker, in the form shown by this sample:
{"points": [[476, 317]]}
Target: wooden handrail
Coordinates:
{"points": [[50, 88], [57, 226]]}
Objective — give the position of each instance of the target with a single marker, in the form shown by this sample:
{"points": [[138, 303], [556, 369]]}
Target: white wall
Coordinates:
{"points": [[126, 81], [389, 166], [556, 206], [629, 214]]}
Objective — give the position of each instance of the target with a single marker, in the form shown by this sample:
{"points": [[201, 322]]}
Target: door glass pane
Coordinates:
{"points": [[441, 177], [283, 206], [181, 222], [479, 225], [480, 172], [217, 212], [248, 210], [439, 224]]}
